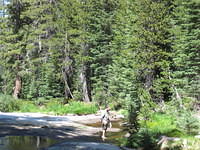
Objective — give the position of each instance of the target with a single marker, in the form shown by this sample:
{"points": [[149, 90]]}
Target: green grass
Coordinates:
{"points": [[162, 124], [123, 112], [28, 106], [74, 107], [54, 106], [82, 108], [157, 125], [8, 103], [58, 108]]}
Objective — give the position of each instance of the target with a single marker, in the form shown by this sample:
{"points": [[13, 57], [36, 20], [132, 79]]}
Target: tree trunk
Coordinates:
{"points": [[39, 44], [83, 75], [84, 84], [68, 93], [149, 79], [67, 69], [178, 97], [17, 88]]}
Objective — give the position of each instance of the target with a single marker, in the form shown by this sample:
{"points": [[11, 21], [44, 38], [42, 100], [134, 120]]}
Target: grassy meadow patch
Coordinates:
{"points": [[52, 106]]}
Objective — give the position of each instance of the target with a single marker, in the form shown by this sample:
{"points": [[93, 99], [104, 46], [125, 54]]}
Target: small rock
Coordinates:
{"points": [[197, 136], [127, 135], [44, 127], [120, 116], [125, 148]]}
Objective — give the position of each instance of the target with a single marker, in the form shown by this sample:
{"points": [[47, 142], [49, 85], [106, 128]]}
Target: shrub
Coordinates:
{"points": [[73, 107], [8, 103], [187, 122], [54, 107], [123, 112], [40, 101], [27, 106], [151, 129], [189, 143], [78, 107], [143, 139], [161, 123]]}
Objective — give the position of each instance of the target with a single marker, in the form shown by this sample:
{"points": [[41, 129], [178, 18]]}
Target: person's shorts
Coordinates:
{"points": [[105, 125]]}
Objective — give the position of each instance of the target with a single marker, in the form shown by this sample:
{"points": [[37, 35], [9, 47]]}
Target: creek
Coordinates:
{"points": [[25, 142], [41, 142], [115, 138]]}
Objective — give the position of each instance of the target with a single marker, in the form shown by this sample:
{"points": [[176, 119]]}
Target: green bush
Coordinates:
{"points": [[82, 108], [143, 139], [189, 143], [28, 106], [151, 129], [40, 101], [53, 106], [161, 123], [123, 112], [187, 122], [8, 103], [73, 107]]}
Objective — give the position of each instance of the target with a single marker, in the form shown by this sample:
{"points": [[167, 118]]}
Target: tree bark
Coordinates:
{"points": [[17, 88], [83, 75], [67, 69], [84, 84], [149, 79], [178, 97], [68, 93]]}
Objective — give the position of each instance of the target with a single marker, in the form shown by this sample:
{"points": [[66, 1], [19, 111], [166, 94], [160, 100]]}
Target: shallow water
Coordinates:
{"points": [[38, 143], [112, 137], [115, 124], [25, 142]]}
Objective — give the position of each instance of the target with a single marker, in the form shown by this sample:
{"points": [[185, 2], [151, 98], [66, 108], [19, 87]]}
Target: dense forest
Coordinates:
{"points": [[138, 55]]}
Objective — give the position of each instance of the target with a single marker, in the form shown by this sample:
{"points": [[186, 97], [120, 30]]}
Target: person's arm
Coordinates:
{"points": [[102, 119]]}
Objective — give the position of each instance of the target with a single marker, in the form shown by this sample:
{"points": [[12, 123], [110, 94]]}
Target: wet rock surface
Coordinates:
{"points": [[72, 129], [83, 146]]}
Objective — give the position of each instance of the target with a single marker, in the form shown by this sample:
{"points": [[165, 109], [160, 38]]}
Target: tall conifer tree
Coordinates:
{"points": [[13, 48], [186, 45], [154, 52]]}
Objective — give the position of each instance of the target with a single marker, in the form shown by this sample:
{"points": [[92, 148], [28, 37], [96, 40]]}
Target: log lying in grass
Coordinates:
{"points": [[165, 138], [166, 142]]}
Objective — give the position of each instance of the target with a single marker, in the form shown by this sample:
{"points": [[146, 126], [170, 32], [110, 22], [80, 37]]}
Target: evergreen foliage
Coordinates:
{"points": [[153, 51], [186, 45], [130, 54]]}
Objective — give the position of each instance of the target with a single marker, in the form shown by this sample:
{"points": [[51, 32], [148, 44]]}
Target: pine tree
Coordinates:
{"points": [[101, 20], [154, 52], [122, 81], [186, 44], [40, 64], [13, 48], [72, 34]]}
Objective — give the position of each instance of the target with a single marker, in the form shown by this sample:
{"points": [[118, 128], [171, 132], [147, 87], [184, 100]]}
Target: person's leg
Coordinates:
{"points": [[105, 126], [103, 134]]}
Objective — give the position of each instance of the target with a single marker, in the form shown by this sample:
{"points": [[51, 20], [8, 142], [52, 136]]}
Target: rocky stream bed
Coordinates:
{"points": [[34, 131]]}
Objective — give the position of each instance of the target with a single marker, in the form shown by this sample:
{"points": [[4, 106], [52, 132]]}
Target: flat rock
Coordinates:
{"points": [[83, 146]]}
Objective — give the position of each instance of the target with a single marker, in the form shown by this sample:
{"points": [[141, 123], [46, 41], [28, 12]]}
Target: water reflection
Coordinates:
{"points": [[115, 124], [116, 138], [25, 142]]}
